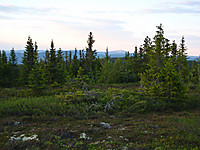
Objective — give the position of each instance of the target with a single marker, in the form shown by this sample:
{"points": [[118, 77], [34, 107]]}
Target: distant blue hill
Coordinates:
{"points": [[112, 54], [191, 58]]}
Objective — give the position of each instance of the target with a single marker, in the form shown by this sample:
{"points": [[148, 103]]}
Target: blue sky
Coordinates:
{"points": [[117, 24]]}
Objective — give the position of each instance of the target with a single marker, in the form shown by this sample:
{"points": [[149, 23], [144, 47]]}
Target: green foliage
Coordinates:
{"points": [[195, 72], [8, 70], [162, 82], [175, 90], [52, 64], [182, 63], [163, 77], [31, 106], [36, 79], [28, 61], [106, 72], [116, 73]]}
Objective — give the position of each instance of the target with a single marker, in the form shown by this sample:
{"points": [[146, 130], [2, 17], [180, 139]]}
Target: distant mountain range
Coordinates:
{"points": [[117, 53]]}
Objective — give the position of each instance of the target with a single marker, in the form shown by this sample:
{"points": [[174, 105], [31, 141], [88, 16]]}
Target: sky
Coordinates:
{"points": [[116, 24]]}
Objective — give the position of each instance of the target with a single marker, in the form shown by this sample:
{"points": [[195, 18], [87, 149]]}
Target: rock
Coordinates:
{"points": [[83, 136], [16, 123], [105, 125]]}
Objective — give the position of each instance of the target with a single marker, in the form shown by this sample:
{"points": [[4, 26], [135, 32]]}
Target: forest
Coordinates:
{"points": [[145, 100]]}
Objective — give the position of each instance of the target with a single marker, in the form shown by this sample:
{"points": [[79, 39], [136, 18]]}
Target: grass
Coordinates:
{"points": [[31, 106], [131, 131], [58, 119]]}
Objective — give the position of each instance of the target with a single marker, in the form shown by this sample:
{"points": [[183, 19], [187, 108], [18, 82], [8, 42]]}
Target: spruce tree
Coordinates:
{"points": [[75, 64], [60, 67], [107, 55], [174, 90], [4, 57], [0, 57], [27, 61], [117, 73], [52, 64], [46, 67], [14, 68], [161, 82], [174, 49], [70, 57], [90, 54], [195, 72], [127, 68], [183, 67], [106, 72], [34, 77], [13, 57], [4, 71]]}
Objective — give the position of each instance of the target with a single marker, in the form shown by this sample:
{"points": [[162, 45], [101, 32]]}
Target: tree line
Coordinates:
{"points": [[160, 66]]}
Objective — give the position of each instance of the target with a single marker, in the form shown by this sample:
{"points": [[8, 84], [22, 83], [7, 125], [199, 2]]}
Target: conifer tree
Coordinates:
{"points": [[28, 61], [183, 67], [174, 90], [80, 55], [46, 67], [195, 72], [75, 64], [4, 71], [147, 45], [0, 57], [107, 55], [4, 57], [127, 68], [14, 74], [135, 59], [66, 58], [36, 77], [135, 53], [52, 64], [60, 67], [90, 54], [70, 57], [106, 72], [174, 49], [117, 72], [13, 57], [162, 81]]}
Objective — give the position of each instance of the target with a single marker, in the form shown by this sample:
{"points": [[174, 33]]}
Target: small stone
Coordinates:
{"points": [[16, 123], [83, 136], [125, 148], [105, 125]]}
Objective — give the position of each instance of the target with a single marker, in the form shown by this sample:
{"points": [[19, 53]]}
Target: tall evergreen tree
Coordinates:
{"points": [[53, 63], [14, 74], [36, 76], [107, 55], [0, 57], [90, 54], [183, 67], [60, 67], [106, 72], [46, 67], [174, 49], [195, 72], [70, 57], [13, 57], [161, 81], [4, 57], [75, 64], [27, 61], [4, 71]]}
